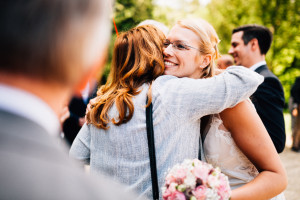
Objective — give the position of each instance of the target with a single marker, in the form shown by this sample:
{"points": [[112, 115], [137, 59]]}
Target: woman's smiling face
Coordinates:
{"points": [[181, 53]]}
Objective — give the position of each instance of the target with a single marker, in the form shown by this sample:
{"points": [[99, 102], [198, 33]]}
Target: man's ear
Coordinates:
{"points": [[92, 73], [206, 60], [254, 44]]}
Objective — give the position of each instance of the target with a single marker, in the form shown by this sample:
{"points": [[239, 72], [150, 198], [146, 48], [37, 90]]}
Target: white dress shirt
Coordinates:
{"points": [[257, 65], [25, 104]]}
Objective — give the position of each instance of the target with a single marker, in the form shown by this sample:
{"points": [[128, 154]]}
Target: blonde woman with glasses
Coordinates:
{"points": [[236, 139]]}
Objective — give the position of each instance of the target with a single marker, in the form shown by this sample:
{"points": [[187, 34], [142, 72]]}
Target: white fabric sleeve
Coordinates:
{"points": [[194, 98], [80, 149]]}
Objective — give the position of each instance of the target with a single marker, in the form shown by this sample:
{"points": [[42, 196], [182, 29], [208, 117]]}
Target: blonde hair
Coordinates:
{"points": [[208, 42], [137, 59], [157, 24]]}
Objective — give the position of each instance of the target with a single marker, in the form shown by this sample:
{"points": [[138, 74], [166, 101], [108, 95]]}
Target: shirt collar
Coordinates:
{"points": [[257, 65], [29, 106]]}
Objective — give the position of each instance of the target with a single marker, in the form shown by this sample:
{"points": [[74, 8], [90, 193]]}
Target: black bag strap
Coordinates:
{"points": [[204, 128], [151, 147]]}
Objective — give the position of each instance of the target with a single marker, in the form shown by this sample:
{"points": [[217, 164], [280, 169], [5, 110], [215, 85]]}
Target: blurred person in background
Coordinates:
{"points": [[48, 50], [225, 61], [249, 46], [295, 94], [77, 111]]}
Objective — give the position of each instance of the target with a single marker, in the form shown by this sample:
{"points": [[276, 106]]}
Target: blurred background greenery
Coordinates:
{"points": [[282, 17]]}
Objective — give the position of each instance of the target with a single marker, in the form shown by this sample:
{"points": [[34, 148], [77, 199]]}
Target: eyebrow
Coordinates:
{"points": [[185, 42]]}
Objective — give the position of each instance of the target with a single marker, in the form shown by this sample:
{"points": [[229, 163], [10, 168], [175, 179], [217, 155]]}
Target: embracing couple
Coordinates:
{"points": [[177, 73]]}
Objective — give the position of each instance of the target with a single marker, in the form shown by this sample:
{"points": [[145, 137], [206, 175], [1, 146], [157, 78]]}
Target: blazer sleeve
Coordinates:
{"points": [[80, 149], [269, 102], [194, 98]]}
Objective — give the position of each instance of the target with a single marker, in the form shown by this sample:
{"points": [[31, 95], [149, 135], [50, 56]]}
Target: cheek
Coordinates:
{"points": [[188, 62], [198, 61], [189, 68], [242, 49], [243, 53]]}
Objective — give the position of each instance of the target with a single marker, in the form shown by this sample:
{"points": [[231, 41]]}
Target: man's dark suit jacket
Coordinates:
{"points": [[71, 127], [77, 108], [35, 166], [269, 102]]}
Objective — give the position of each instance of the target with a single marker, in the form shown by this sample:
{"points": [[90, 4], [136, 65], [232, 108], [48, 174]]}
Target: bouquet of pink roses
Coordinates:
{"points": [[196, 180]]}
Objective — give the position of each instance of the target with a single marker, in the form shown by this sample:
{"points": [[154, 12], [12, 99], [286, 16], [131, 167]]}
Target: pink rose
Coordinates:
{"points": [[181, 173], [224, 189], [200, 192], [170, 179], [213, 181], [180, 176], [177, 196], [172, 187], [166, 194], [201, 172]]}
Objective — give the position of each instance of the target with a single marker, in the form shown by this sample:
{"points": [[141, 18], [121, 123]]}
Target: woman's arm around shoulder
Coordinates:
{"points": [[198, 97], [252, 138]]}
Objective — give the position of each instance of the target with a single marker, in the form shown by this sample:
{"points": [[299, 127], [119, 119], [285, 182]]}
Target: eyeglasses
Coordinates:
{"points": [[178, 45]]}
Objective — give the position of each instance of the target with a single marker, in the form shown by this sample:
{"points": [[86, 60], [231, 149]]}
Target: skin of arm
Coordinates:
{"points": [[252, 138]]}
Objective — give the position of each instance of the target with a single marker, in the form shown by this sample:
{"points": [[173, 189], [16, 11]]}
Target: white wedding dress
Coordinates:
{"points": [[220, 150]]}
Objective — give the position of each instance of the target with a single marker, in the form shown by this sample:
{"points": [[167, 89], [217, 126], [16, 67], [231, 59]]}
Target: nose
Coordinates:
{"points": [[168, 51], [230, 51]]}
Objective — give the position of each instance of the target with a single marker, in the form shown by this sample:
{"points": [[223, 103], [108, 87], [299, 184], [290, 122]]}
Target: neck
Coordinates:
{"points": [[255, 60], [55, 95]]}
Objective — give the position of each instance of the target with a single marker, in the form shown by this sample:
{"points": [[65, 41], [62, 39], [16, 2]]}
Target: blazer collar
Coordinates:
{"points": [[261, 68]]}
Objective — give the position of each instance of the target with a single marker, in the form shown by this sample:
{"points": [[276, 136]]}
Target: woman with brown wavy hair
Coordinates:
{"points": [[137, 60], [114, 141]]}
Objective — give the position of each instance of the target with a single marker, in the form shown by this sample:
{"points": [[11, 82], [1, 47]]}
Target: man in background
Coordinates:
{"points": [[77, 109], [249, 46], [48, 50]]}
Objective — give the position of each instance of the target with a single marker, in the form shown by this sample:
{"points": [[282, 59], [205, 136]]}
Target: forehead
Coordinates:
{"points": [[237, 37], [182, 34]]}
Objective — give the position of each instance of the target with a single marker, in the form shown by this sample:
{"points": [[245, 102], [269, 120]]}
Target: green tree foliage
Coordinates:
{"points": [[128, 13], [280, 16]]}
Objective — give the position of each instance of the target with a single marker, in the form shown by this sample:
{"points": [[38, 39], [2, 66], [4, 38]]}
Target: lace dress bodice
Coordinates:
{"points": [[221, 151]]}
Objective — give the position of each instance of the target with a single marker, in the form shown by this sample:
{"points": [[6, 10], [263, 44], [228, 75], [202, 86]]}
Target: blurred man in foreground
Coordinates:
{"points": [[48, 50]]}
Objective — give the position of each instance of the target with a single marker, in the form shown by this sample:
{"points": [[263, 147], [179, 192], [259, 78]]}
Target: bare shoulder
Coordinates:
{"points": [[237, 114]]}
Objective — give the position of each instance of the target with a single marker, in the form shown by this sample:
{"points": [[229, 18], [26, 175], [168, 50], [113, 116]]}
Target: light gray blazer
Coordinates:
{"points": [[178, 104], [35, 166]]}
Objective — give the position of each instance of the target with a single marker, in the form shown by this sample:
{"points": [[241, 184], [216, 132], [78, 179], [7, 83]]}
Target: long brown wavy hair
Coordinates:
{"points": [[137, 59]]}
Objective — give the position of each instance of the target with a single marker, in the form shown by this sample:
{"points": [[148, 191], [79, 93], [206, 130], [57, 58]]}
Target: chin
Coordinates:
{"points": [[237, 62], [167, 72]]}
